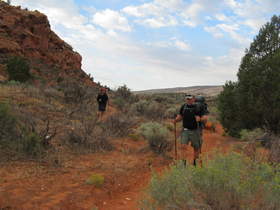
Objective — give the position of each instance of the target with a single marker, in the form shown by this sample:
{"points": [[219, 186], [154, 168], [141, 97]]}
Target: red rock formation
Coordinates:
{"points": [[28, 34]]}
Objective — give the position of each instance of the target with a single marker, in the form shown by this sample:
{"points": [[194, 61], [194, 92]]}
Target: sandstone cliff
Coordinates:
{"points": [[28, 34]]}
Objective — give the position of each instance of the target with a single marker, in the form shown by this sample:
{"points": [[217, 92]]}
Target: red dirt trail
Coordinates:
{"points": [[127, 171]]}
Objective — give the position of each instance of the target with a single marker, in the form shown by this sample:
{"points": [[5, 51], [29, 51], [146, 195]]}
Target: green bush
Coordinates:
{"points": [[157, 136], [18, 69], [149, 109], [155, 111], [95, 179], [171, 112], [251, 135], [140, 107], [229, 181], [172, 190]]}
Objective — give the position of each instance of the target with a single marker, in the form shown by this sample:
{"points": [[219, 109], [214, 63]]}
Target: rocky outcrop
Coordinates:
{"points": [[28, 34]]}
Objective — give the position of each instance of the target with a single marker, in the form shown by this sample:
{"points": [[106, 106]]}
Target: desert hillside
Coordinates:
{"points": [[28, 34]]}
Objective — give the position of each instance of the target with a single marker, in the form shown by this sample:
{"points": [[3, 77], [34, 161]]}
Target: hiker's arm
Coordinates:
{"points": [[178, 118]]}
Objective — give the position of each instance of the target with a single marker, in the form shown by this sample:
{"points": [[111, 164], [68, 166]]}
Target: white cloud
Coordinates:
{"points": [[173, 43], [222, 17], [182, 45], [144, 10], [158, 22], [220, 30], [214, 31], [111, 20]]}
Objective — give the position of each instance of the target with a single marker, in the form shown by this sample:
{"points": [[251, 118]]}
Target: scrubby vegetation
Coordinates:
{"points": [[157, 136], [226, 182]]}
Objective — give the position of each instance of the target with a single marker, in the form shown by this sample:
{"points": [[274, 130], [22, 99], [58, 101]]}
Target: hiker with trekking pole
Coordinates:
{"points": [[192, 116]]}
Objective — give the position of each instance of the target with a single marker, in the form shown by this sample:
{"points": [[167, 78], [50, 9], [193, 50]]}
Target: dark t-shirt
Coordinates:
{"points": [[188, 112], [102, 99]]}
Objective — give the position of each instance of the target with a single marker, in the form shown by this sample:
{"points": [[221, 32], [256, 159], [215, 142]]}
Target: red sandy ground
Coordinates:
{"points": [[127, 171]]}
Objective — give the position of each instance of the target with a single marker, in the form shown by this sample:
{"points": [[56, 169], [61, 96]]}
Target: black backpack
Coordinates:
{"points": [[201, 105]]}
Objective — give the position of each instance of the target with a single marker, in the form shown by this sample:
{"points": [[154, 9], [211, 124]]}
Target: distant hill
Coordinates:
{"points": [[203, 90]]}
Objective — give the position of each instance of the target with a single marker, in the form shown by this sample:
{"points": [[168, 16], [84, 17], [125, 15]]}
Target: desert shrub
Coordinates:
{"points": [[18, 69], [171, 112], [32, 145], [172, 190], [86, 136], [250, 135], [18, 138], [229, 181], [80, 144], [118, 125], [155, 111], [77, 93], [157, 136], [140, 107], [95, 179], [74, 92], [123, 98], [149, 109], [8, 124]]}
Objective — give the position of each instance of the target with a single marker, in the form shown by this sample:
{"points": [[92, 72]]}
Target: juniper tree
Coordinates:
{"points": [[258, 87]]}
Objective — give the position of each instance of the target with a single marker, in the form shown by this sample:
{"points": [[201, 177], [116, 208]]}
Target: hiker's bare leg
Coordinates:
{"points": [[196, 156], [101, 115], [183, 153]]}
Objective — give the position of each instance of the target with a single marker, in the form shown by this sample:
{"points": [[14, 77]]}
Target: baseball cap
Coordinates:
{"points": [[188, 96]]}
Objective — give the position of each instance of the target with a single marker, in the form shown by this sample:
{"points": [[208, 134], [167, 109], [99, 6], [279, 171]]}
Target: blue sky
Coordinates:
{"points": [[148, 44]]}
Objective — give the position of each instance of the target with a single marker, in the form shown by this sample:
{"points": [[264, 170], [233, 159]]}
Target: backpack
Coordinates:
{"points": [[201, 105]]}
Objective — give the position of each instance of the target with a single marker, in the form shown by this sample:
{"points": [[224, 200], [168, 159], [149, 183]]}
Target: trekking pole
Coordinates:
{"points": [[175, 140]]}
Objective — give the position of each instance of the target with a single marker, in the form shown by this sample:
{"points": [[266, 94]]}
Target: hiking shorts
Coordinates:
{"points": [[192, 136], [102, 107]]}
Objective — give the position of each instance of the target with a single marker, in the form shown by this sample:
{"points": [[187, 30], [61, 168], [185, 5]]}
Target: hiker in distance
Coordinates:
{"points": [[192, 116], [102, 100]]}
